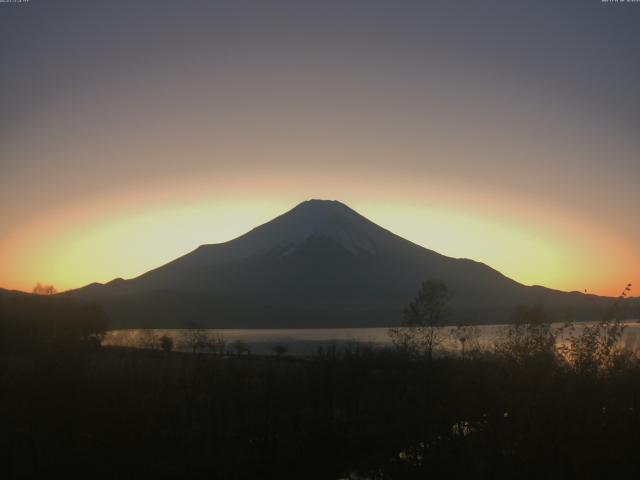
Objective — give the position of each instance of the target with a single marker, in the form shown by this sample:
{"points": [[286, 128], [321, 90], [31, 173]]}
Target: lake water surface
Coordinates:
{"points": [[306, 341]]}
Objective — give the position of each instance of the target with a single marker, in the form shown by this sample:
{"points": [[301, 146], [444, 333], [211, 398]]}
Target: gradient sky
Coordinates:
{"points": [[503, 131]]}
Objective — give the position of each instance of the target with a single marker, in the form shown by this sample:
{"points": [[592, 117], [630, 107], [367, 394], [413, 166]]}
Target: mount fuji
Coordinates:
{"points": [[321, 264]]}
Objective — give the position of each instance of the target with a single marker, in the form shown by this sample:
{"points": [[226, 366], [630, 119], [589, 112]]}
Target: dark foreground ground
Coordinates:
{"points": [[117, 413]]}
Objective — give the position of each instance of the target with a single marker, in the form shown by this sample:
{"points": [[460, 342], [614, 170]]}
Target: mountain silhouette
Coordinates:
{"points": [[321, 264]]}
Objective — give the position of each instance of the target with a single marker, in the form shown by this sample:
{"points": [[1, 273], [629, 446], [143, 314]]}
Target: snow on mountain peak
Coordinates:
{"points": [[328, 219]]}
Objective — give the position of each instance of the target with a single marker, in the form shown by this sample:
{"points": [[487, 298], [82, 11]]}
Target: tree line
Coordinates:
{"points": [[540, 403]]}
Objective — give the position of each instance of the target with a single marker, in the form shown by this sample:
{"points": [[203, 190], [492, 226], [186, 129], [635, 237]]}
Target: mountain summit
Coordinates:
{"points": [[328, 219], [315, 220], [321, 264]]}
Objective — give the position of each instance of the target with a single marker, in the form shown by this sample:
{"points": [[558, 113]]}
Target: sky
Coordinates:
{"points": [[502, 131]]}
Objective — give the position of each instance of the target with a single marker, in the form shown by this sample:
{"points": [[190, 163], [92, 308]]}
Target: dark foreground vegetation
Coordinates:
{"points": [[529, 408]]}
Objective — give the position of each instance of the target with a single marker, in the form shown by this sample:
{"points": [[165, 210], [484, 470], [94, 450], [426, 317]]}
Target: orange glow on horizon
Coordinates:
{"points": [[113, 238]]}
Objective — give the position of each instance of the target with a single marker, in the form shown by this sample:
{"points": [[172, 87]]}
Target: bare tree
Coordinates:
{"points": [[41, 289], [531, 337], [597, 347], [421, 331], [216, 343], [195, 338]]}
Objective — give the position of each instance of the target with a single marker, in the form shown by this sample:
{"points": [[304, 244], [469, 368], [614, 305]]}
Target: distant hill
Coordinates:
{"points": [[11, 293], [319, 265]]}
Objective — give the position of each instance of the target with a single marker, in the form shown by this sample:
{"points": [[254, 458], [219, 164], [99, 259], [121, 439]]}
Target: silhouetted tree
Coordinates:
{"points": [[597, 348], [195, 338], [531, 337], [41, 289], [166, 343], [421, 332], [215, 343]]}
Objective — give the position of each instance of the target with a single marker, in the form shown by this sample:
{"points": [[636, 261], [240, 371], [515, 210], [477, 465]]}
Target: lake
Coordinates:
{"points": [[307, 341]]}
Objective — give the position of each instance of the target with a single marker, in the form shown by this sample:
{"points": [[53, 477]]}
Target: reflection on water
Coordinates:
{"points": [[305, 341]]}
